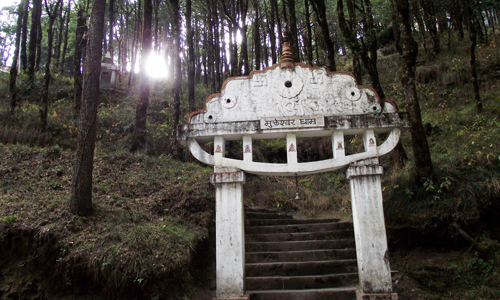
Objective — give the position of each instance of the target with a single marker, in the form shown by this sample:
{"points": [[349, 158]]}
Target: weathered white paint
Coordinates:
{"points": [[230, 232], [293, 168], [369, 227], [296, 91], [291, 100], [350, 124]]}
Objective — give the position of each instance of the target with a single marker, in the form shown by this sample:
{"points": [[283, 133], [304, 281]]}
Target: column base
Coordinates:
{"points": [[376, 296]]}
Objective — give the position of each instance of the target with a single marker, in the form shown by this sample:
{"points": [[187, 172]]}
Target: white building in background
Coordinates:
{"points": [[108, 72]]}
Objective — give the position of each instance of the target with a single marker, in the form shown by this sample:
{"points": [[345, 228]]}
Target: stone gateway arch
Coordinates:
{"points": [[292, 100]]}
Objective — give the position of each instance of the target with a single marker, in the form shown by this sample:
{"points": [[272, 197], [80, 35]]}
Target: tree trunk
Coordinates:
{"points": [[135, 41], [65, 43], [81, 183], [293, 35], [395, 29], [39, 36], [350, 39], [190, 60], [24, 37], [80, 44], [35, 18], [217, 49], [256, 34], [274, 8], [421, 150], [308, 41], [320, 10], [210, 53], [139, 141], [473, 26], [272, 33], [111, 28], [198, 67], [52, 15], [421, 24], [13, 68], [369, 43], [457, 19], [176, 88], [430, 22], [57, 47]]}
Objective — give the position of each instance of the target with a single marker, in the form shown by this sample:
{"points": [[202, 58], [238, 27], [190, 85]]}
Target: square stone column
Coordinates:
{"points": [[230, 232], [369, 230]]}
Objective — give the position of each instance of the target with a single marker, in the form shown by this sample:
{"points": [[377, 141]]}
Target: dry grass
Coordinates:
{"points": [[150, 217]]}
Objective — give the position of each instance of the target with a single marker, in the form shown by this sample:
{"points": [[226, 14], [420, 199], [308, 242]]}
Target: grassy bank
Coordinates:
{"points": [[147, 237]]}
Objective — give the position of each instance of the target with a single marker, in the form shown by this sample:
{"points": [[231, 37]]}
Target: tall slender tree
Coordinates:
{"points": [[139, 141], [36, 12], [111, 28], [59, 39], [473, 28], [292, 32], [308, 39], [24, 38], [52, 10], [13, 68], [81, 183], [256, 34], [429, 9], [320, 10], [190, 61], [65, 42], [38, 58], [244, 63], [80, 44], [420, 145], [176, 88]]}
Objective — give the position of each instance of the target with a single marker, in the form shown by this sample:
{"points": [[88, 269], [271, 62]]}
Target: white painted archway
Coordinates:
{"points": [[292, 100]]}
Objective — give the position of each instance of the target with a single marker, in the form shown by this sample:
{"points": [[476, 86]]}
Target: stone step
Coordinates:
{"points": [[299, 236], [301, 282], [301, 268], [269, 222], [345, 293], [317, 227], [259, 209], [295, 256], [299, 245], [266, 215]]}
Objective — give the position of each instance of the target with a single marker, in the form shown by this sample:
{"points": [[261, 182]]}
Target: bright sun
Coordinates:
{"points": [[156, 66]]}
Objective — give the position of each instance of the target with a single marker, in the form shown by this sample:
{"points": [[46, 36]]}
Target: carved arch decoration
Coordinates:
{"points": [[292, 98]]}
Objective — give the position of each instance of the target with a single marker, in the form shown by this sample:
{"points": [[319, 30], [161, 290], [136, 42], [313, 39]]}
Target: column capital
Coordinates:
{"points": [[357, 169], [227, 176]]}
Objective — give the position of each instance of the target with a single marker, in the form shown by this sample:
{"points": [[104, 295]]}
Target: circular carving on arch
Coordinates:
{"points": [[353, 93], [210, 117], [228, 102], [289, 85]]}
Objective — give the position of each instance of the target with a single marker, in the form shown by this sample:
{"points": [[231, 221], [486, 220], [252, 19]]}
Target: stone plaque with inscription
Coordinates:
{"points": [[292, 122]]}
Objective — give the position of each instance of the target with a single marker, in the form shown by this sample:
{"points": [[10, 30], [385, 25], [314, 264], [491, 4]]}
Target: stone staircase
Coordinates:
{"points": [[291, 259]]}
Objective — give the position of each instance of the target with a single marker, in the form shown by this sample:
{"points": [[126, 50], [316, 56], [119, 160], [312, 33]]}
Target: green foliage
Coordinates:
{"points": [[10, 220], [478, 271], [52, 152]]}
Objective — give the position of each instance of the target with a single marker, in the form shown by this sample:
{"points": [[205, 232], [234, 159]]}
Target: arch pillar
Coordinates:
{"points": [[229, 232], [374, 271]]}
